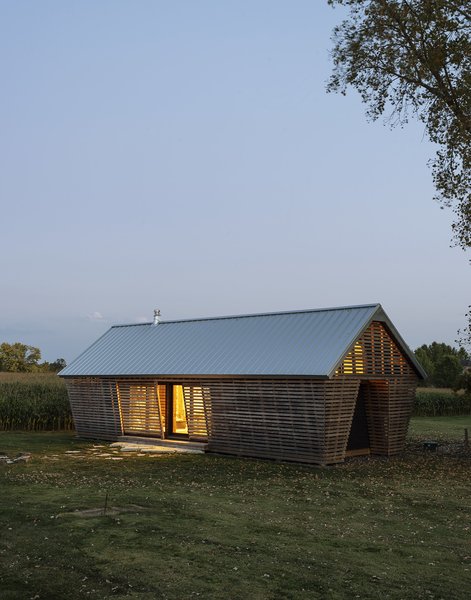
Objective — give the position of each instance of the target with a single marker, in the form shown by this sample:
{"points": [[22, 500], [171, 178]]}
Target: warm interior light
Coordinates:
{"points": [[358, 358], [180, 424], [376, 353], [353, 363]]}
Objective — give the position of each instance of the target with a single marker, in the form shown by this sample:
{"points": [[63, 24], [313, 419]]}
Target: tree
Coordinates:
{"points": [[425, 360], [442, 363], [19, 357], [464, 382], [414, 57], [58, 365], [447, 370]]}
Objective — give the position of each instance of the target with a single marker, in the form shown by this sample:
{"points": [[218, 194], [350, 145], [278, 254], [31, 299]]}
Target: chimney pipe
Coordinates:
{"points": [[156, 316]]}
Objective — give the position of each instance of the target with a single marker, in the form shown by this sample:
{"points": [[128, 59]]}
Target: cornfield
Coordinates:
{"points": [[34, 405], [441, 404]]}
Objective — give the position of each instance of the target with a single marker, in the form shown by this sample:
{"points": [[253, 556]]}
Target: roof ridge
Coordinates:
{"points": [[251, 315]]}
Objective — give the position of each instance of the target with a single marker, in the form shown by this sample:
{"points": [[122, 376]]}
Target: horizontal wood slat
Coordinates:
{"points": [[196, 414], [140, 408], [94, 407], [388, 409]]}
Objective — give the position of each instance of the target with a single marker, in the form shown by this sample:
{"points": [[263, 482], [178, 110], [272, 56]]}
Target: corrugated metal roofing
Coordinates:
{"points": [[309, 343]]}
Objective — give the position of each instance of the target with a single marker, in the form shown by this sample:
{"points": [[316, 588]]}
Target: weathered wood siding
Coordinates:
{"points": [[304, 420], [95, 407], [140, 407], [388, 409], [198, 408]]}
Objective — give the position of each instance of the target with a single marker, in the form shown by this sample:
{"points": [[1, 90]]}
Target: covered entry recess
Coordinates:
{"points": [[359, 438]]}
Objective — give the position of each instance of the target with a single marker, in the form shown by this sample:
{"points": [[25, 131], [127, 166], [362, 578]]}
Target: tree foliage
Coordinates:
{"points": [[52, 367], [447, 370], [21, 358], [18, 357], [414, 57], [443, 363], [57, 365], [464, 381]]}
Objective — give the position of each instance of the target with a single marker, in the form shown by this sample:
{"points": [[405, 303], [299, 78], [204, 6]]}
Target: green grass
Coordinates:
{"points": [[213, 527], [440, 428], [435, 390]]}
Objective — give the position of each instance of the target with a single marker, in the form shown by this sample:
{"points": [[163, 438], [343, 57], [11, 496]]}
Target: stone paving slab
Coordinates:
{"points": [[157, 449]]}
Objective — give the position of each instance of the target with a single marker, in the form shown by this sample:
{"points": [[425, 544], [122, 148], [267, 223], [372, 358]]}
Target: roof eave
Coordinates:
{"points": [[178, 377]]}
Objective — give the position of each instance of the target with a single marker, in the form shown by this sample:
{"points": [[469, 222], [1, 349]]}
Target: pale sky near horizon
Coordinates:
{"points": [[185, 155]]}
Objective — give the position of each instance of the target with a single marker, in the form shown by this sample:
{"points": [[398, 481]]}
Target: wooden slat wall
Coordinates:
{"points": [[280, 419], [340, 397], [140, 409], [300, 420], [139, 406], [401, 404], [388, 409], [267, 419], [94, 407], [195, 412]]}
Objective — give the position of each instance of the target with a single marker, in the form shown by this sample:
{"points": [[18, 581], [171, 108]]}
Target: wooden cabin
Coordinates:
{"points": [[309, 386]]}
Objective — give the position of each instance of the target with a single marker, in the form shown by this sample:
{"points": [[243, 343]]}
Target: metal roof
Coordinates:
{"points": [[301, 343]]}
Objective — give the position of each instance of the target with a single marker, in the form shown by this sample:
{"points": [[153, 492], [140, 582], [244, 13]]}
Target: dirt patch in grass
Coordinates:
{"points": [[109, 511]]}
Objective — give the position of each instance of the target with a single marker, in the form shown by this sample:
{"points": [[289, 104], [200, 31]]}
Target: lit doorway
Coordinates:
{"points": [[176, 425]]}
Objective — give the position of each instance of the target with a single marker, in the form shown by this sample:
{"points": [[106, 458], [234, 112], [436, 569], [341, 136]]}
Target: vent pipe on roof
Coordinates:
{"points": [[156, 316]]}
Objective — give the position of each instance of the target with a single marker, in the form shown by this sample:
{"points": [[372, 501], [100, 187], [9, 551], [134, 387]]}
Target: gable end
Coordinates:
{"points": [[376, 354]]}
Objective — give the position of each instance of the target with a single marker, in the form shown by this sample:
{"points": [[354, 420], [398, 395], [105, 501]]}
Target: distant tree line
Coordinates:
{"points": [[446, 367], [21, 358]]}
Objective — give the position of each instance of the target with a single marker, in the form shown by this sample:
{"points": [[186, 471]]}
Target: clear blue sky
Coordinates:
{"points": [[184, 155]]}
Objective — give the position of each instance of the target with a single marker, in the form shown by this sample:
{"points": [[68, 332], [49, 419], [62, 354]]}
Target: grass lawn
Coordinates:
{"points": [[194, 526], [440, 428]]}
